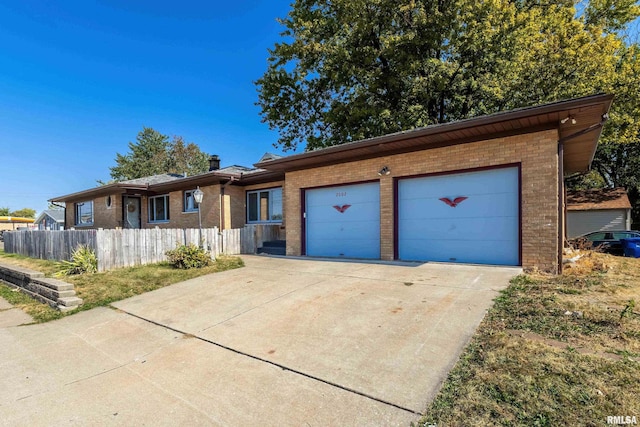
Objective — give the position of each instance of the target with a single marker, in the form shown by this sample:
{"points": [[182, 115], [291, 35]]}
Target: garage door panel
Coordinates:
{"points": [[472, 229], [482, 228], [342, 230], [583, 222], [343, 221], [471, 183], [339, 195], [460, 251], [499, 204], [344, 247], [326, 214]]}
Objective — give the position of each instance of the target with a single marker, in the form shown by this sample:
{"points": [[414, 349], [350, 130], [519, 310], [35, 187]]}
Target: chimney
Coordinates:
{"points": [[214, 163]]}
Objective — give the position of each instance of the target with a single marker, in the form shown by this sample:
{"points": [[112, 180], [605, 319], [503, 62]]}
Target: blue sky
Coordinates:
{"points": [[79, 80]]}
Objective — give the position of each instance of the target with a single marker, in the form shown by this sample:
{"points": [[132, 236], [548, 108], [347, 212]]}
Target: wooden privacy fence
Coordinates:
{"points": [[53, 245], [128, 247]]}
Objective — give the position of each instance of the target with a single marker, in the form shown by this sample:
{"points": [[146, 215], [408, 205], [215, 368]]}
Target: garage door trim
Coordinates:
{"points": [[396, 182], [303, 207]]}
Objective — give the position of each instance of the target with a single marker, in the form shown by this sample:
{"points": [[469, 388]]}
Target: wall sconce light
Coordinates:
{"points": [[384, 171], [566, 119]]}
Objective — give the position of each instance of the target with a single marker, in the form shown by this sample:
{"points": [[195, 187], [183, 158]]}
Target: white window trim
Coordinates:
{"points": [[76, 217], [184, 202], [166, 209], [258, 191]]}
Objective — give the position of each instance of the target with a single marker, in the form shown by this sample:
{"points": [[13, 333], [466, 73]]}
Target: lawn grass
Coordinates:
{"points": [[554, 350], [101, 289]]}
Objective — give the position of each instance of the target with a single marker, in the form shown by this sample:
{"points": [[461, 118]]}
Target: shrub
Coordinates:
{"points": [[83, 260], [189, 256]]}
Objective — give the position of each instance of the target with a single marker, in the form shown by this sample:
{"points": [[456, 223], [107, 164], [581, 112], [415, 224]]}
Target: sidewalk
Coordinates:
{"points": [[12, 316]]}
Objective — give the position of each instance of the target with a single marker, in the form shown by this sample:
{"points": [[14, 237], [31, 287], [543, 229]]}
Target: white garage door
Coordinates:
{"points": [[470, 217], [583, 222], [343, 221]]}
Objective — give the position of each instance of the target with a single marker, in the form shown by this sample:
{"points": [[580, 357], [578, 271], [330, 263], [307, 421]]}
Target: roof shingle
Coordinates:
{"points": [[597, 199]]}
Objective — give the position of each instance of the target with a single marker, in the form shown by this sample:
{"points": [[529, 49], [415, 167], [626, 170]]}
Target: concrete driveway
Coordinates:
{"points": [[279, 342]]}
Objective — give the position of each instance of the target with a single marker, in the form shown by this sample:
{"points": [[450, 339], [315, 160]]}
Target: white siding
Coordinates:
{"points": [[583, 222]]}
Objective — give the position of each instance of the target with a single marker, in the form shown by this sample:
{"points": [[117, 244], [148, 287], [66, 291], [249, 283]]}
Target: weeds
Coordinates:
{"points": [[628, 309], [83, 260], [189, 256], [561, 369]]}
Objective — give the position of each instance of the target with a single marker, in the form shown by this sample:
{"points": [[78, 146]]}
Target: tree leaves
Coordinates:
{"points": [[22, 213], [154, 154], [352, 69]]}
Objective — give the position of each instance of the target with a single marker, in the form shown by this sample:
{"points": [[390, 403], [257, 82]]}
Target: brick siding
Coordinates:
{"points": [[537, 153], [234, 215]]}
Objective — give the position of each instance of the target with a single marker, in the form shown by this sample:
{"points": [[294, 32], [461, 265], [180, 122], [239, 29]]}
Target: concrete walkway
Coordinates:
{"points": [[279, 342], [11, 316]]}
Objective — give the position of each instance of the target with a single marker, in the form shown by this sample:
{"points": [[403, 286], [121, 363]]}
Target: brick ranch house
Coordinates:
{"points": [[167, 201], [485, 190]]}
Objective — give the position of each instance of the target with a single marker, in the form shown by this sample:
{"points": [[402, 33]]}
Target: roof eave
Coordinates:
{"points": [[98, 191], [384, 144]]}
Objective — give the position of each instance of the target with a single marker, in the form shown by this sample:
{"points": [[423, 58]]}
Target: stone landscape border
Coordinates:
{"points": [[58, 294]]}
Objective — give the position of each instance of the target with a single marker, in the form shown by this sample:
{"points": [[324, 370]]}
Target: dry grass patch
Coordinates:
{"points": [[104, 288], [554, 350], [101, 289], [44, 266]]}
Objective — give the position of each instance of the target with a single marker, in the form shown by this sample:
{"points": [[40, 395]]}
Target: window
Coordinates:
{"points": [[159, 208], [108, 202], [84, 213], [264, 205], [625, 235], [189, 202]]}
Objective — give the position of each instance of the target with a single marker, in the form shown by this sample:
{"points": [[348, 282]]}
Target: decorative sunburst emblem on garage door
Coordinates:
{"points": [[455, 202], [342, 208]]}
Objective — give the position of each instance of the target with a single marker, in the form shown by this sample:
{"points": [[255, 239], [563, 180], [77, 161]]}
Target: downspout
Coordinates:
{"points": [[561, 230], [561, 208], [65, 212]]}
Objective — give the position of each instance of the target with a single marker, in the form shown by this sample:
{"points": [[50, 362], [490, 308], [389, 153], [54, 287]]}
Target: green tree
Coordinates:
{"points": [[4, 211], [154, 154], [24, 213], [186, 157], [352, 69], [617, 159], [147, 156]]}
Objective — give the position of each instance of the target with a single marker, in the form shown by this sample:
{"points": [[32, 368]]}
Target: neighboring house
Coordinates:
{"points": [[597, 210], [51, 219], [486, 190]]}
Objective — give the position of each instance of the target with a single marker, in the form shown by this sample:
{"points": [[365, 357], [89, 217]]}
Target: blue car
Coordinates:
{"points": [[608, 241]]}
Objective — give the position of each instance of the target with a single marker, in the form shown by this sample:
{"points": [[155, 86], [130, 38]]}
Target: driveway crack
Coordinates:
{"points": [[278, 365]]}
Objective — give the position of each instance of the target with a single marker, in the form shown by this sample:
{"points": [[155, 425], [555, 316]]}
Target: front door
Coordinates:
{"points": [[131, 214]]}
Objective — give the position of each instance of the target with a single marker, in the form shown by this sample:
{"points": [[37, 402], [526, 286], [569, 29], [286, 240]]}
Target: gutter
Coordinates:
{"points": [[561, 210], [595, 126], [64, 208], [562, 230], [491, 119]]}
